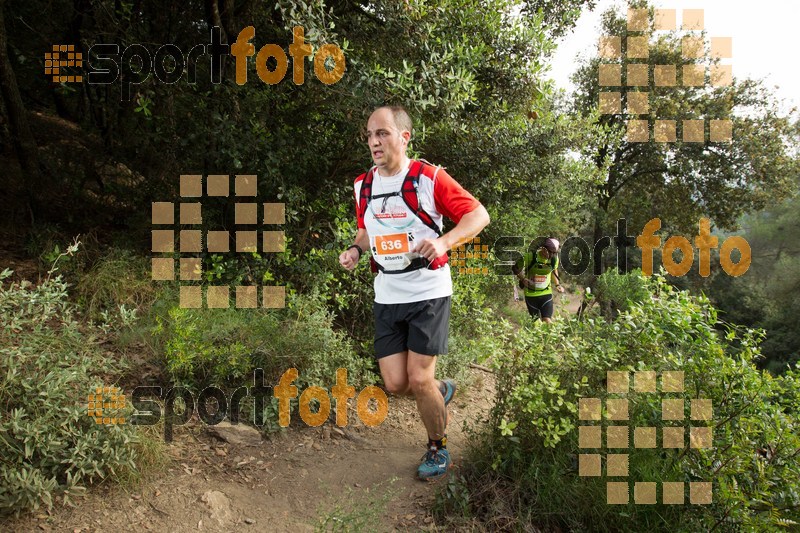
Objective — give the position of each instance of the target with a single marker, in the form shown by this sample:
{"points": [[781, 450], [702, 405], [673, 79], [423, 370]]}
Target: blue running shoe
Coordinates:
{"points": [[448, 390], [434, 464]]}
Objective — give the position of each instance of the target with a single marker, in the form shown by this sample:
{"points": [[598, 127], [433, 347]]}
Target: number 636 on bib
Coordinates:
{"points": [[396, 243]]}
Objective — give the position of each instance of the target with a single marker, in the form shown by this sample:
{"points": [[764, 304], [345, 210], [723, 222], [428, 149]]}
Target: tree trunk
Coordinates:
{"points": [[596, 236], [600, 218], [21, 135]]}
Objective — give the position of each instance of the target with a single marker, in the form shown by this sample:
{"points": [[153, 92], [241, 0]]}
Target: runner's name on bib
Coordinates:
{"points": [[540, 281], [392, 251]]}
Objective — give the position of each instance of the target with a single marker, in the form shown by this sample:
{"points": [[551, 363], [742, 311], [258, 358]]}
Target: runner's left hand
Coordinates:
{"points": [[430, 249], [560, 289]]}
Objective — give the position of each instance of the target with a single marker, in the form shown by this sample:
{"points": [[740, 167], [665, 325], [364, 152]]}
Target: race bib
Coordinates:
{"points": [[392, 251], [540, 281], [397, 243]]}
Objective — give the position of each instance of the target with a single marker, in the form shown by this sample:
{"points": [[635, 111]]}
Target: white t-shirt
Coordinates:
{"points": [[394, 230]]}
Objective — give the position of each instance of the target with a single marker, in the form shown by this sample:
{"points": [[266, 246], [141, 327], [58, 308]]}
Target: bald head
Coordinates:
{"points": [[402, 120]]}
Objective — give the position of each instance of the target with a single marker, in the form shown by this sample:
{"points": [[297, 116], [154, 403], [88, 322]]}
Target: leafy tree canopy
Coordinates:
{"points": [[681, 181]]}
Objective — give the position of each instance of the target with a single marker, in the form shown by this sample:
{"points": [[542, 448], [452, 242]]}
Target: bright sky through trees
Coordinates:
{"points": [[764, 40]]}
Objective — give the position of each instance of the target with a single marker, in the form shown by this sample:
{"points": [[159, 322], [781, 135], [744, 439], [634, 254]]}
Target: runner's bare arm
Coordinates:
{"points": [[554, 279], [468, 227], [349, 258]]}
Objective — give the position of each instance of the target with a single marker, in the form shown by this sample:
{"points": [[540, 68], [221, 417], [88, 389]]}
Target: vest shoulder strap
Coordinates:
{"points": [[534, 261], [409, 192], [365, 192]]}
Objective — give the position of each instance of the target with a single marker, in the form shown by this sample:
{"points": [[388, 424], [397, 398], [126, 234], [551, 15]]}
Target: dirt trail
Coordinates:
{"points": [[566, 304], [293, 483], [569, 303]]}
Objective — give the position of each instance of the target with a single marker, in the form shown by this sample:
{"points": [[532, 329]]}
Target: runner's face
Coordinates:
{"points": [[386, 142]]}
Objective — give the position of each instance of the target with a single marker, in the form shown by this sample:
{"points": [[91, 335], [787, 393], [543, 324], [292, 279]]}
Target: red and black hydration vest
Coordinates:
{"points": [[409, 192]]}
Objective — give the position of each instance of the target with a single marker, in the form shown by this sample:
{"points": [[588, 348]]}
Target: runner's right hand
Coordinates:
{"points": [[349, 258]]}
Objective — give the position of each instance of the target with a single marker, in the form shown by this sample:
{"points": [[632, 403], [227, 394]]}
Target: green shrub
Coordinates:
{"points": [[476, 329], [50, 448], [41, 241], [619, 291], [118, 280], [528, 453], [223, 346]]}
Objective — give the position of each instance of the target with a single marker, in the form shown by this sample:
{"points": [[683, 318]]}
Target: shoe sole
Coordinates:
{"points": [[436, 477]]}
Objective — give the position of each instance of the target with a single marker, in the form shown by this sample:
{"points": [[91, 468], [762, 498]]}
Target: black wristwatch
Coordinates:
{"points": [[357, 247]]}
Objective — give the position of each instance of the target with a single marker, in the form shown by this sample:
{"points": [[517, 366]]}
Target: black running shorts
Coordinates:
{"points": [[540, 305], [421, 327]]}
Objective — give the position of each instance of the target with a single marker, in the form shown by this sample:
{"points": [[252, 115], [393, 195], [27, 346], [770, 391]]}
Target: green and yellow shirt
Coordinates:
{"points": [[538, 270]]}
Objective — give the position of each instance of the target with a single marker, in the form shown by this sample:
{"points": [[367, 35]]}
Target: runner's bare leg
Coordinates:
{"points": [[394, 370], [430, 403]]}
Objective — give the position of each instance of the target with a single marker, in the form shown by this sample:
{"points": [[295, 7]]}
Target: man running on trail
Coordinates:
{"points": [[400, 204], [537, 276]]}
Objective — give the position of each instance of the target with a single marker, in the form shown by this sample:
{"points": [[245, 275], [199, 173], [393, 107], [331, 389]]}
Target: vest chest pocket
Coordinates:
{"points": [[392, 251], [540, 281]]}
